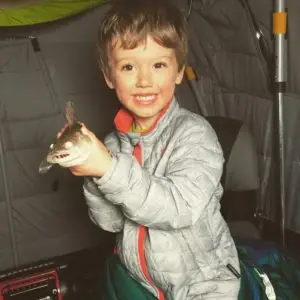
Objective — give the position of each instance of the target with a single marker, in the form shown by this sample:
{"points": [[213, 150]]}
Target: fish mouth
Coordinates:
{"points": [[59, 157], [64, 156], [68, 159]]}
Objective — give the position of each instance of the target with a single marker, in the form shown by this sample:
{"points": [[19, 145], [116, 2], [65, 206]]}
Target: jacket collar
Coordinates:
{"points": [[124, 118]]}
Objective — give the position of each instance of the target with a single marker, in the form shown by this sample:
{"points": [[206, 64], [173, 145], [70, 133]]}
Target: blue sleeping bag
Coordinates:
{"points": [[267, 272]]}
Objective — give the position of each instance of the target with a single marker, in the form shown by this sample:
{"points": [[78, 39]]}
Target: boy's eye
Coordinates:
{"points": [[127, 67], [159, 65]]}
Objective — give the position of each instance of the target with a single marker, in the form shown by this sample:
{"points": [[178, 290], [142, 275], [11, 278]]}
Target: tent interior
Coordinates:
{"points": [[48, 57]]}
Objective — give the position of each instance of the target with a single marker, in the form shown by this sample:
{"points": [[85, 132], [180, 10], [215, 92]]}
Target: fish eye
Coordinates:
{"points": [[51, 146], [68, 144]]}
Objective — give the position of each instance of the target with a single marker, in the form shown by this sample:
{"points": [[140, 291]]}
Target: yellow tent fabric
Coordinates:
{"points": [[45, 11]]}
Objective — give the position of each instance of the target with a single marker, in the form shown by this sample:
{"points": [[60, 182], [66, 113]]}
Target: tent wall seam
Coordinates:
{"points": [[8, 202], [45, 72]]}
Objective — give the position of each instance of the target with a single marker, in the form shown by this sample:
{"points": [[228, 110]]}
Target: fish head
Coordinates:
{"points": [[72, 146]]}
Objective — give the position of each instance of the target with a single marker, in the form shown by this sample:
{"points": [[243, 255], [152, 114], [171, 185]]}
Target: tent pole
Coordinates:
{"points": [[279, 31]]}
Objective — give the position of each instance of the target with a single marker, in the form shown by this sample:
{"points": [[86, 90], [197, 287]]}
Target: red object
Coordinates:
{"points": [[24, 285]]}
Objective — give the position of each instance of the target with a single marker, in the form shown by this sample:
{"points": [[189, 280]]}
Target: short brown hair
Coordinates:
{"points": [[129, 22]]}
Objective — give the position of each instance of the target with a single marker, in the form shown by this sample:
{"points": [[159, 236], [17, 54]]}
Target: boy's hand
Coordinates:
{"points": [[98, 162]]}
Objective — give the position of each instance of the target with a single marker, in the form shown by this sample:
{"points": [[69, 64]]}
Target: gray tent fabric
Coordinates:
{"points": [[223, 48], [45, 216], [235, 80]]}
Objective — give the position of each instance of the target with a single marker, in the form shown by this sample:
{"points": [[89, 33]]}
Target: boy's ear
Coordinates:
{"points": [[180, 75], [108, 80]]}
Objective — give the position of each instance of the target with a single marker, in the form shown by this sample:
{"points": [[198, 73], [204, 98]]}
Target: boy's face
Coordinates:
{"points": [[144, 79]]}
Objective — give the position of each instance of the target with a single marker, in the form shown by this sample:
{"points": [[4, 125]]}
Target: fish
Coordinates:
{"points": [[71, 148]]}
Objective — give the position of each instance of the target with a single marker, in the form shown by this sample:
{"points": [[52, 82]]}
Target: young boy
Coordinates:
{"points": [[155, 181]]}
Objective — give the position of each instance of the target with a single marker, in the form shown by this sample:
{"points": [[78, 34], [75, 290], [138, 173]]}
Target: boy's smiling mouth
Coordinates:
{"points": [[147, 98]]}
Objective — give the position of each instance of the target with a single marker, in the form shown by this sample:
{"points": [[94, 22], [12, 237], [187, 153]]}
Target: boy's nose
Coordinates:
{"points": [[144, 79]]}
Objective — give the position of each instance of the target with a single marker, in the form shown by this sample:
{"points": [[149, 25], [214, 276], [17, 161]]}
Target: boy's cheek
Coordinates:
{"points": [[166, 81], [125, 82]]}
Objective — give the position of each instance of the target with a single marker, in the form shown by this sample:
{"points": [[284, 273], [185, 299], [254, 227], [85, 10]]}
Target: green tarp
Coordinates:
{"points": [[118, 285], [263, 266], [45, 11]]}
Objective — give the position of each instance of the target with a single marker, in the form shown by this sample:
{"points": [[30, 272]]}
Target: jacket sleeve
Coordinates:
{"points": [[177, 199], [102, 212]]}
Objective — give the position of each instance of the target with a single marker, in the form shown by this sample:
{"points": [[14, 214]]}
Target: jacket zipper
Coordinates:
{"points": [[142, 233]]}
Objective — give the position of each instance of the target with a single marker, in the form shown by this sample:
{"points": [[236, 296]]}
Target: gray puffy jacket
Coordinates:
{"points": [[165, 208]]}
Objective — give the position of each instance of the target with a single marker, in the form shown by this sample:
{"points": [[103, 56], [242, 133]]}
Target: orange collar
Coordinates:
{"points": [[124, 118]]}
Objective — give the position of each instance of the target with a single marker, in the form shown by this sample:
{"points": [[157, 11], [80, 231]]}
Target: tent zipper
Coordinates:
{"points": [[142, 233]]}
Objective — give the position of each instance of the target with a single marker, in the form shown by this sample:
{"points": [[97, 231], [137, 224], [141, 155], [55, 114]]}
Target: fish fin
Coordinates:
{"points": [[70, 113]]}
